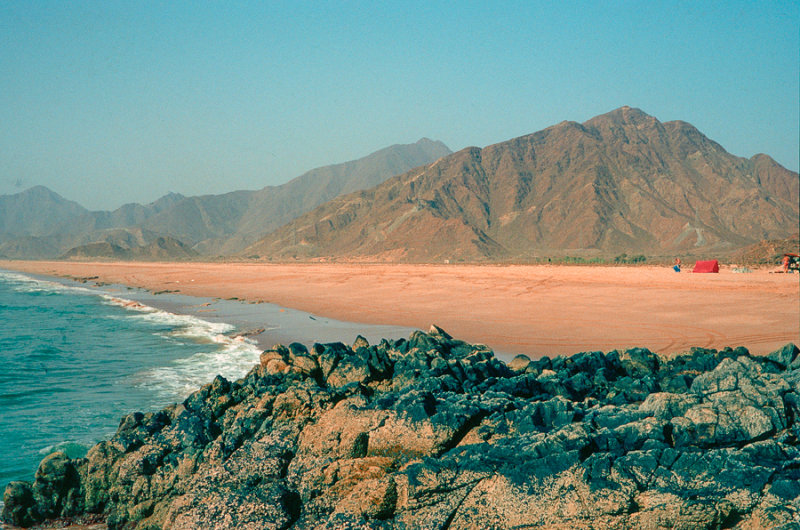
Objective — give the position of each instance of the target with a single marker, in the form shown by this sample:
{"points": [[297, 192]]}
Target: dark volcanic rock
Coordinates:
{"points": [[431, 432]]}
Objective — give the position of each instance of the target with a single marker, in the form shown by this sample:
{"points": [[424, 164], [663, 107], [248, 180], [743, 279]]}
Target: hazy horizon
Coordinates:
{"points": [[112, 103]]}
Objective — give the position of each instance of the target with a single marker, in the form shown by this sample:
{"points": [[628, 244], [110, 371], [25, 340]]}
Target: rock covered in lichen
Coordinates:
{"points": [[432, 432]]}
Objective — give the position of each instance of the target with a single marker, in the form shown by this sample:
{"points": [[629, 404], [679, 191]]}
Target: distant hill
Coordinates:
{"points": [[160, 248], [23, 214], [272, 207], [39, 223], [233, 223], [29, 247], [225, 224], [620, 182]]}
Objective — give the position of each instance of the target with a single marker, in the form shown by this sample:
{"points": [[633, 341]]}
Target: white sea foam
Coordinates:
{"points": [[218, 353], [71, 448], [229, 356], [26, 284], [232, 359], [186, 326]]}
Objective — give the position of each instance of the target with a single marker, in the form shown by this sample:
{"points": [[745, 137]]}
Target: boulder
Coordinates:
{"points": [[19, 506], [519, 363], [786, 358]]}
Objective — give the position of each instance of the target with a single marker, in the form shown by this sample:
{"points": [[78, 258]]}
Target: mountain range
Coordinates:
{"points": [[619, 182], [39, 223]]}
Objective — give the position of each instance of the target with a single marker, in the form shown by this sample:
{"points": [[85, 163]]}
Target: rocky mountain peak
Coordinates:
{"points": [[630, 116], [620, 182]]}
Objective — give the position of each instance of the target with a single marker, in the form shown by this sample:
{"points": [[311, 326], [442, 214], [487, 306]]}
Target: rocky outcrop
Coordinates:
{"points": [[432, 432]]}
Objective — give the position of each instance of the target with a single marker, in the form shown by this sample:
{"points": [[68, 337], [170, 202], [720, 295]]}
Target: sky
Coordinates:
{"points": [[113, 102]]}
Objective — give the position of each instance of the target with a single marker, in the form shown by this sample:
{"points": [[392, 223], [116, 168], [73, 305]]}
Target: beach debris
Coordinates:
{"points": [[166, 291], [83, 279], [248, 332], [128, 304]]}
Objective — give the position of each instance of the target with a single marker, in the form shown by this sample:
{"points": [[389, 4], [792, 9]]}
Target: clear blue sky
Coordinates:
{"points": [[112, 102]]}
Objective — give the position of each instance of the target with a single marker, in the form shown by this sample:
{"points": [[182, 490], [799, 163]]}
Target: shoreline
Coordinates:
{"points": [[425, 407], [535, 310], [263, 323]]}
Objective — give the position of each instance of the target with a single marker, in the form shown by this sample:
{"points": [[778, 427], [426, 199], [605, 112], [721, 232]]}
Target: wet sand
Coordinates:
{"points": [[266, 324], [537, 310]]}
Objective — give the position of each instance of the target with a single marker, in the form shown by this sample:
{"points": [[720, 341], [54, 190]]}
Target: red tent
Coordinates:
{"points": [[706, 266]]}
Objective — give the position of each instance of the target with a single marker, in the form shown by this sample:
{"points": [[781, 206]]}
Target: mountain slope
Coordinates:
{"points": [[224, 224], [272, 207], [622, 181], [767, 252]]}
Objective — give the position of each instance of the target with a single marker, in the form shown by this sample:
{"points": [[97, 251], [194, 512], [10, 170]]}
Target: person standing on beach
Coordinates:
{"points": [[677, 266]]}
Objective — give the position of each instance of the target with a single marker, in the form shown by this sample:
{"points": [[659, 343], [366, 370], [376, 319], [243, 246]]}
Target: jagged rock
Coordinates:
{"points": [[786, 357], [639, 362], [519, 363], [739, 404], [666, 405], [432, 432], [370, 499]]}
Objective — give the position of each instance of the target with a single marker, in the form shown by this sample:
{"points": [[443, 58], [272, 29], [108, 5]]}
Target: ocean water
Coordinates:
{"points": [[74, 360]]}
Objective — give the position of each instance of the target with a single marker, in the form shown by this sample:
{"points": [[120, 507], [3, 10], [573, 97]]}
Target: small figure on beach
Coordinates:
{"points": [[677, 266], [789, 263]]}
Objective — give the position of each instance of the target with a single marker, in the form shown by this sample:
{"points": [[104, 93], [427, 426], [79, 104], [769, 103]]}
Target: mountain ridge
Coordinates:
{"points": [[622, 181], [210, 224]]}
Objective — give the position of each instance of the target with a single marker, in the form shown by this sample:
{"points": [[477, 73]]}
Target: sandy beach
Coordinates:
{"points": [[536, 310]]}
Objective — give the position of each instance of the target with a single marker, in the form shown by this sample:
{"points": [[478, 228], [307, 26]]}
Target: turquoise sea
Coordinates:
{"points": [[74, 360]]}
